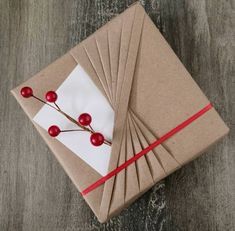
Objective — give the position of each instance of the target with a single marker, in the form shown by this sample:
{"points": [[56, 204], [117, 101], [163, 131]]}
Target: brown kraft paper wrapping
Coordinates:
{"points": [[150, 92]]}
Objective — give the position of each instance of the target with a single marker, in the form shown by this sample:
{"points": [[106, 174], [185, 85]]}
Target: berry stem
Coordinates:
{"points": [[107, 142], [73, 130], [44, 102], [91, 128], [83, 128], [57, 106]]}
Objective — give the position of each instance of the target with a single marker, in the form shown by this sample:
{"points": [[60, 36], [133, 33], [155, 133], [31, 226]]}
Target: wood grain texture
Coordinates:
{"points": [[36, 194]]}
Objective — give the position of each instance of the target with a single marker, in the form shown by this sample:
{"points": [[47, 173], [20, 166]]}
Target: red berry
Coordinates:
{"points": [[97, 139], [84, 119], [26, 92], [54, 130], [51, 96]]}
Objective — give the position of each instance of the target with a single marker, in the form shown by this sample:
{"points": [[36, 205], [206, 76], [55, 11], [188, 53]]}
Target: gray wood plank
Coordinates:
{"points": [[36, 194], [201, 196]]}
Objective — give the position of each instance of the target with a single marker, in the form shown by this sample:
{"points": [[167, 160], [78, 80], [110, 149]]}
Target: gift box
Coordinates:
{"points": [[140, 97]]}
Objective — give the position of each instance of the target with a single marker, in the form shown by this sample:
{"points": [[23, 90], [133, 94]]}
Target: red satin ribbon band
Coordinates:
{"points": [[146, 150]]}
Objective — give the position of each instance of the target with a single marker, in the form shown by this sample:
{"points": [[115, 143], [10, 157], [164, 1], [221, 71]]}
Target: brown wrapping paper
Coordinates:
{"points": [[150, 91]]}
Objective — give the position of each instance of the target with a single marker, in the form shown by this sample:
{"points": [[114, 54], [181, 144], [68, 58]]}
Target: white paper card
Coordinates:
{"points": [[77, 95]]}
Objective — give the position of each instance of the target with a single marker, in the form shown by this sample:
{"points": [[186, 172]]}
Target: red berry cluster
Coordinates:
{"points": [[83, 121]]}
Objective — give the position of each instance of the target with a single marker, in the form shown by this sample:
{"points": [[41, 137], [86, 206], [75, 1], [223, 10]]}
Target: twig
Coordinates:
{"points": [[83, 128]]}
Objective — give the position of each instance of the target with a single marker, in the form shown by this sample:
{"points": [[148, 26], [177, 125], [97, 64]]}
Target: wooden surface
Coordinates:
{"points": [[36, 194]]}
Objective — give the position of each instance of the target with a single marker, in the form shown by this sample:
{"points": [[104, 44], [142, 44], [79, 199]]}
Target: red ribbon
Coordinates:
{"points": [[146, 150]]}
